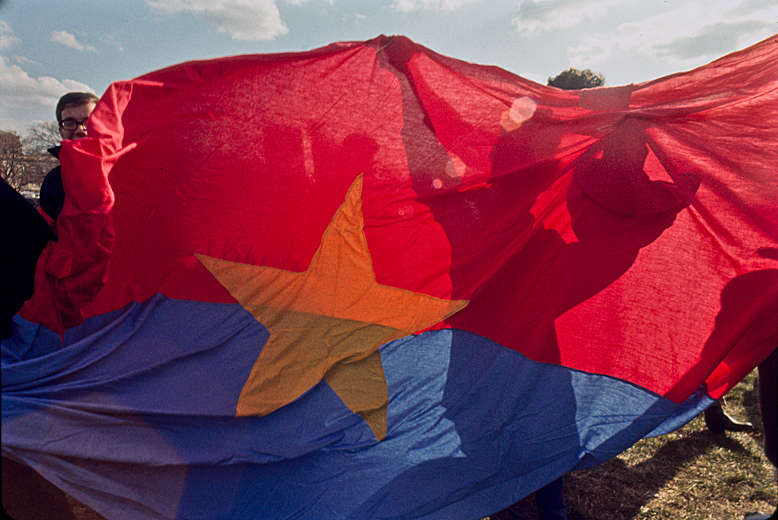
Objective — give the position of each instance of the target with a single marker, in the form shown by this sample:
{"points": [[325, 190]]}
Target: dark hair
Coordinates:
{"points": [[74, 99]]}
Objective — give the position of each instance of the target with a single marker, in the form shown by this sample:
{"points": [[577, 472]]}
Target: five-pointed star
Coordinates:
{"points": [[327, 322]]}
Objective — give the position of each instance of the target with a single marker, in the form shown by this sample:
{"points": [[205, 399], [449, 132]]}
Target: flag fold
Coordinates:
{"points": [[372, 281]]}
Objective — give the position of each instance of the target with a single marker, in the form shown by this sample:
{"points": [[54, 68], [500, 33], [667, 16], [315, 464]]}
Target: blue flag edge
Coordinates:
{"points": [[135, 411]]}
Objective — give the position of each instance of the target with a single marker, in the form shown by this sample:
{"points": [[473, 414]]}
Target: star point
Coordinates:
{"points": [[328, 321]]}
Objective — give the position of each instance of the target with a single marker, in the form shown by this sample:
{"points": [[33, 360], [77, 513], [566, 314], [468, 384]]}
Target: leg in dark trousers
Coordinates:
{"points": [[768, 405], [551, 501], [28, 496], [768, 402]]}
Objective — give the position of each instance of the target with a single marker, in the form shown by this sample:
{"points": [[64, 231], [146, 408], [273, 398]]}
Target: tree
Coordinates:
{"points": [[40, 137], [23, 171], [574, 79], [11, 167], [36, 166]]}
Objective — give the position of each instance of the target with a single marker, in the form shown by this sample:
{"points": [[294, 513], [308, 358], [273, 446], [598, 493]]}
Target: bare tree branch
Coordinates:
{"points": [[22, 170], [40, 137], [11, 157]]}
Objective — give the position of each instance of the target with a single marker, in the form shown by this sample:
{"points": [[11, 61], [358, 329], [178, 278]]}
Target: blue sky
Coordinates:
{"points": [[49, 47]]}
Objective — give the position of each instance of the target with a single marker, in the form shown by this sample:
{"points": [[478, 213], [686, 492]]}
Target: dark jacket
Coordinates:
{"points": [[23, 234], [52, 195]]}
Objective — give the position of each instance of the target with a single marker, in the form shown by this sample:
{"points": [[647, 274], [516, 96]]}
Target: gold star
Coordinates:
{"points": [[327, 322]]}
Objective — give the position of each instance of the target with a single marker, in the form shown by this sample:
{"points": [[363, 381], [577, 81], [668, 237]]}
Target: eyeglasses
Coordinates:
{"points": [[71, 124]]}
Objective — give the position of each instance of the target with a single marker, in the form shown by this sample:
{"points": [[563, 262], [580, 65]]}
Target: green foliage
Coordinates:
{"points": [[574, 79]]}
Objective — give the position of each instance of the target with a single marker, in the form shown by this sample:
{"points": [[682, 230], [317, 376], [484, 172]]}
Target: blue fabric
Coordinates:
{"points": [[136, 423]]}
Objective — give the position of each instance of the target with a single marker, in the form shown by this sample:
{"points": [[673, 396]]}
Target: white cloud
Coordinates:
{"points": [[406, 6], [7, 36], [301, 2], [547, 15], [25, 60], [242, 19], [690, 34], [69, 40], [22, 94]]}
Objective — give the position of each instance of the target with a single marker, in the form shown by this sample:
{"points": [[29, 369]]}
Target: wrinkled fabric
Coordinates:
{"points": [[371, 281]]}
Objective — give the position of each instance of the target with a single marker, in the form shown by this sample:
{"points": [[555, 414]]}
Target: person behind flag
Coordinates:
{"points": [[23, 235], [73, 111], [25, 493], [768, 405]]}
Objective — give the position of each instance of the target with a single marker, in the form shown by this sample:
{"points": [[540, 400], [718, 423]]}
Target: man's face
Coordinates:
{"points": [[75, 115]]}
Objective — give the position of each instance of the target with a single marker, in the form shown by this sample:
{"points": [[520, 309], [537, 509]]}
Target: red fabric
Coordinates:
{"points": [[72, 270], [46, 217], [628, 231]]}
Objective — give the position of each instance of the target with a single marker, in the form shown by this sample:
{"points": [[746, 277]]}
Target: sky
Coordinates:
{"points": [[51, 47]]}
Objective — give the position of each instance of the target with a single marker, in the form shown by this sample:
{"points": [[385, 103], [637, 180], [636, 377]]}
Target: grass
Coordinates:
{"points": [[690, 474]]}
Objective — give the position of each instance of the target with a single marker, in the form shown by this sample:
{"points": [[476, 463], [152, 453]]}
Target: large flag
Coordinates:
{"points": [[371, 281]]}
